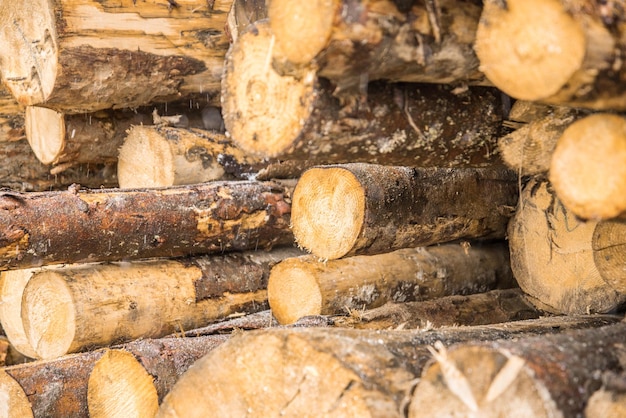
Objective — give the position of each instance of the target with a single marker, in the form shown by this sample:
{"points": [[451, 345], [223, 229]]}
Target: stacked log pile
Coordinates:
{"points": [[312, 208]]}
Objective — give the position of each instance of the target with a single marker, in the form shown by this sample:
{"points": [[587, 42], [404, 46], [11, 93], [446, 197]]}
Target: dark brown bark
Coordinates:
{"points": [[87, 226], [358, 208], [394, 124], [11, 117]]}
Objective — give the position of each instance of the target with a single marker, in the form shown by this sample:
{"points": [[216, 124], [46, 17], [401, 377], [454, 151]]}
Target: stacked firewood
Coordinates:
{"points": [[311, 208]]}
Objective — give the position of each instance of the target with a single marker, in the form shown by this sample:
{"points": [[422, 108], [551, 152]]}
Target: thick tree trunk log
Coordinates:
{"points": [[496, 306], [81, 307], [528, 150], [556, 51], [305, 286], [161, 156], [21, 170], [95, 138], [588, 168], [120, 387], [299, 118], [339, 372], [11, 117], [351, 42], [356, 209], [112, 225], [565, 264], [610, 400], [84, 56], [58, 388], [547, 376]]}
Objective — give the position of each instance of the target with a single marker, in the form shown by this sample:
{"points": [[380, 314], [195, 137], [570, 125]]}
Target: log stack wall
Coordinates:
{"points": [[323, 207]]}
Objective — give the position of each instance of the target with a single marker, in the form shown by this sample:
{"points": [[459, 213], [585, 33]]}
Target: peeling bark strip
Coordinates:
{"points": [[85, 306], [305, 286], [406, 124], [111, 225], [556, 51], [340, 372], [58, 388], [351, 209], [548, 376], [351, 40], [84, 56]]}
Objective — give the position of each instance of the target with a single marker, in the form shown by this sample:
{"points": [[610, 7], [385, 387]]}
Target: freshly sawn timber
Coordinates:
{"points": [[305, 286], [339, 372], [111, 225], [299, 118], [351, 209]]}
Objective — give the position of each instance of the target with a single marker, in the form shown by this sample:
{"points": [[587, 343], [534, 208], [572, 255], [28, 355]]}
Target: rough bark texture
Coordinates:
{"points": [[305, 286], [351, 42], [21, 170], [547, 376], [341, 372], [495, 306], [88, 55], [159, 156], [553, 255], [58, 388], [588, 167], [358, 208], [557, 51], [64, 140], [528, 150], [395, 124], [81, 307], [113, 225], [11, 117]]}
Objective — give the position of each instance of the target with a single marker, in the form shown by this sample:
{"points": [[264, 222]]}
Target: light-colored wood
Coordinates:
{"points": [[555, 51], [84, 55], [120, 387], [528, 150], [352, 209], [160, 156], [299, 118], [12, 284], [14, 402], [553, 255], [305, 286], [610, 400], [58, 388], [533, 377], [322, 372], [111, 225], [492, 307], [588, 167], [351, 42], [84, 306]]}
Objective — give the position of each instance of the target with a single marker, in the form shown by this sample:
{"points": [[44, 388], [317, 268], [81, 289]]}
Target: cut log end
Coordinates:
{"points": [[45, 131], [478, 381], [587, 169], [29, 71], [48, 314], [12, 284], [14, 403], [529, 49], [302, 28], [119, 386], [328, 211], [293, 292], [263, 111]]}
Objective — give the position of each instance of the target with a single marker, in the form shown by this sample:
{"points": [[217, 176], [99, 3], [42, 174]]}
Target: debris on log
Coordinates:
{"points": [[554, 260], [352, 209], [588, 168], [112, 225], [305, 286], [555, 51], [394, 124]]}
